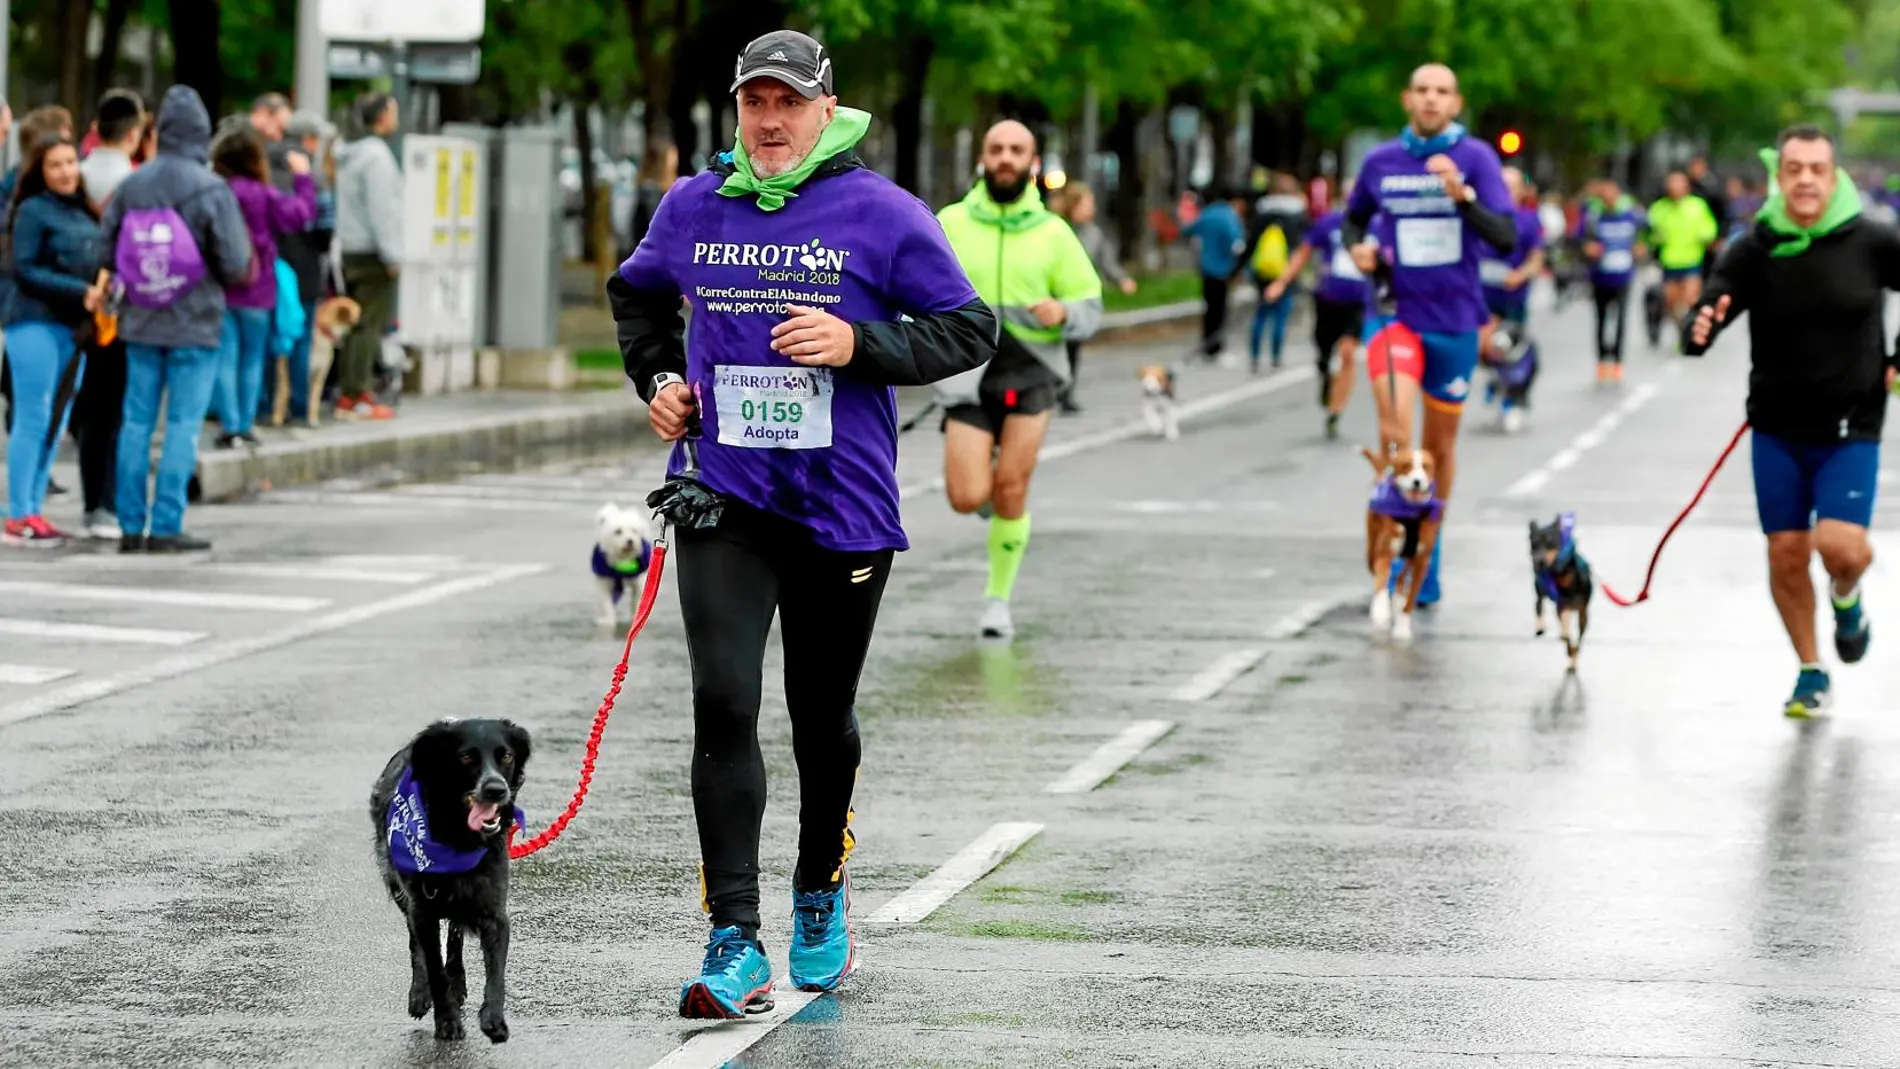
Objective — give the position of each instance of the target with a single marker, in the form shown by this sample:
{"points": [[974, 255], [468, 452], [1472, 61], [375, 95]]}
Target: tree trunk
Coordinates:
{"points": [[652, 53], [105, 68], [195, 61], [907, 114], [1220, 128], [72, 59], [1126, 203]]}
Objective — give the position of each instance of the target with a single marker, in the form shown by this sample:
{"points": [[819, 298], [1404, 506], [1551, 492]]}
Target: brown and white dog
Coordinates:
{"points": [[1157, 400], [336, 317], [1402, 517]]}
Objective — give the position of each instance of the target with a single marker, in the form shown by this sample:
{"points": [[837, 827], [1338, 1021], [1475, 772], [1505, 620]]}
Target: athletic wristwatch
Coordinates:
{"points": [[663, 380]]}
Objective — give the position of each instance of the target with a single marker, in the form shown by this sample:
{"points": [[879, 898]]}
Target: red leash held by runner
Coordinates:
{"points": [[648, 594], [1643, 595]]}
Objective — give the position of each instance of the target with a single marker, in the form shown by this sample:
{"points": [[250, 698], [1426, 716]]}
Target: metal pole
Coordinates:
{"points": [[312, 87], [399, 88], [1091, 132]]}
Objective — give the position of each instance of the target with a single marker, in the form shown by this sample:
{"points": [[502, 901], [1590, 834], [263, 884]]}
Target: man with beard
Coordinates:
{"points": [[1446, 196], [817, 286], [1030, 267]]}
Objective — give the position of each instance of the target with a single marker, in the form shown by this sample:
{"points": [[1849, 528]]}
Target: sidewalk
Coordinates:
{"points": [[443, 436]]}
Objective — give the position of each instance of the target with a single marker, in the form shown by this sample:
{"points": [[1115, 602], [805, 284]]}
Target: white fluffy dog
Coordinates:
{"points": [[623, 549]]}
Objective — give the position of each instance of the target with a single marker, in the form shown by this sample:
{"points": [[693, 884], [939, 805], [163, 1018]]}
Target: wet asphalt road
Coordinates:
{"points": [[1342, 854]]}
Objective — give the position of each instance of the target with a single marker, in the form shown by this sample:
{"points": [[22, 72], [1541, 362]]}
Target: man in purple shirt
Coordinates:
{"points": [[1339, 303], [817, 285], [1445, 194]]}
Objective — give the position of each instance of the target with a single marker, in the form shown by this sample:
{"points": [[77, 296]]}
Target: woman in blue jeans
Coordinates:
{"points": [[54, 252], [269, 213]]}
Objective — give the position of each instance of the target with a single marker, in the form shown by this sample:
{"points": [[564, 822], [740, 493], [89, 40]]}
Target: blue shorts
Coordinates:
{"points": [[1450, 361], [1796, 484], [1677, 274]]}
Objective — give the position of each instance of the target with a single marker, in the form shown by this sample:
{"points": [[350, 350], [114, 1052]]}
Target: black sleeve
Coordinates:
{"points": [[923, 349], [1352, 229], [651, 331], [1496, 228], [1733, 270]]}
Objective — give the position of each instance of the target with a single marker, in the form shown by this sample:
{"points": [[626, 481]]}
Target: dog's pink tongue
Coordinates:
{"points": [[481, 813]]}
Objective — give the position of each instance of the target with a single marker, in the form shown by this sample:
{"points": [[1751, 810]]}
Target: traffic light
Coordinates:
{"points": [[1509, 142]]}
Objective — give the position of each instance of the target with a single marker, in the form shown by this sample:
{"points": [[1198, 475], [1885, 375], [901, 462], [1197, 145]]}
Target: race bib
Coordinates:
{"points": [[1343, 267], [773, 407], [1617, 261], [1493, 272], [1430, 242]]}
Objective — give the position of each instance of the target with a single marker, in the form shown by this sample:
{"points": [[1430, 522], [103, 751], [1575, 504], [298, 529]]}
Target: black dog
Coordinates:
{"points": [[1562, 576], [441, 811]]}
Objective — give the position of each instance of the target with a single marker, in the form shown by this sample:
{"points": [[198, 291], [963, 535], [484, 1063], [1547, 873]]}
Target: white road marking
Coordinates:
{"points": [[31, 675], [719, 1044], [1297, 621], [373, 499], [1589, 439], [221, 652], [1214, 678], [423, 561], [97, 632], [1093, 770], [196, 599], [976, 861], [314, 572], [1202, 406]]}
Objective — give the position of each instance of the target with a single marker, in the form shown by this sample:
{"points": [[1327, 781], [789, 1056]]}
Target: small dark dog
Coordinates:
{"points": [[1562, 576], [441, 810]]}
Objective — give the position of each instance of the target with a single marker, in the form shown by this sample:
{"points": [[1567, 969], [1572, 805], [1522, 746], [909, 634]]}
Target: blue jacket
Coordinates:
{"points": [[55, 259], [1223, 239], [178, 178]]}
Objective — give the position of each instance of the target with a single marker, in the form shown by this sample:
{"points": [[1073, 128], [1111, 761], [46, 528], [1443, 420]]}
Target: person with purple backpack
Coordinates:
{"points": [[178, 241], [269, 213]]}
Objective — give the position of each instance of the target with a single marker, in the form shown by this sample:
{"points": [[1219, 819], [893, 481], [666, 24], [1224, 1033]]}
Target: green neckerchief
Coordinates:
{"points": [[1843, 207], [1021, 214], [848, 126]]}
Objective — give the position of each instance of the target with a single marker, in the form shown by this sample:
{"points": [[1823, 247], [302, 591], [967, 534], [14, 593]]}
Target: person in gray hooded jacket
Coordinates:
{"points": [[173, 348]]}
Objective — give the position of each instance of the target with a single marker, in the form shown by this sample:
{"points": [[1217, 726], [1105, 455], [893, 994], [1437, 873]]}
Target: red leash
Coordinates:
{"points": [[648, 594], [1643, 595]]}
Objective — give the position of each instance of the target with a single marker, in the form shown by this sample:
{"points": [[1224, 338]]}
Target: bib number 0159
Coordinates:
{"points": [[771, 411]]}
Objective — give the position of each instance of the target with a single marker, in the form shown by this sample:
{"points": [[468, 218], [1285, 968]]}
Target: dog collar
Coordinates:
{"points": [[1386, 500], [411, 848]]}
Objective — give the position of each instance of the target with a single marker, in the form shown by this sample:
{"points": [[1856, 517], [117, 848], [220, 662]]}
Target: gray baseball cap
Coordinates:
{"points": [[789, 57], [304, 124]]}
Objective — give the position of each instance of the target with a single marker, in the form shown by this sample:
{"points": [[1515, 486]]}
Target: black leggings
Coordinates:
{"points": [[1213, 315], [96, 416], [730, 581], [1612, 304]]}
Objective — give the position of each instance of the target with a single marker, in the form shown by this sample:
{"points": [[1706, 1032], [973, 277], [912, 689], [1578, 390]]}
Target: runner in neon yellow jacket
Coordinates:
{"points": [[1681, 229], [1030, 267]]}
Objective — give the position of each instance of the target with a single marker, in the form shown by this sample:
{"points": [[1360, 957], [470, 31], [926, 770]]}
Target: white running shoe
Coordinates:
{"points": [[996, 622], [1513, 420]]}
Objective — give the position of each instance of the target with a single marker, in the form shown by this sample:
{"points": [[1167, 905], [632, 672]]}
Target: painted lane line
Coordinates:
{"points": [[1296, 622], [417, 502], [196, 599], [31, 675], [1214, 678], [1095, 769], [433, 562], [221, 652], [716, 1046], [146, 636], [1589, 439], [976, 861], [1214, 402], [238, 569]]}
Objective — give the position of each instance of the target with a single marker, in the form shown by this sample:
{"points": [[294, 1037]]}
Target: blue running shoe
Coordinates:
{"points": [[1810, 693], [1428, 590], [1852, 630], [733, 982], [822, 954]]}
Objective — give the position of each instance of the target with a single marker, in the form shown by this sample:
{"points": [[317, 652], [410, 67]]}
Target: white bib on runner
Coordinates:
{"points": [[1430, 242], [1617, 261], [773, 407], [1493, 272], [1343, 267]]}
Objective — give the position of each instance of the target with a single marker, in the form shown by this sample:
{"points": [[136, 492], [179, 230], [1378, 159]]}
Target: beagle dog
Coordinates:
{"points": [[1402, 517], [1157, 400]]}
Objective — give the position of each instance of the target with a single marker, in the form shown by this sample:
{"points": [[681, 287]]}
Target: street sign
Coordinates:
{"points": [[439, 64], [408, 21]]}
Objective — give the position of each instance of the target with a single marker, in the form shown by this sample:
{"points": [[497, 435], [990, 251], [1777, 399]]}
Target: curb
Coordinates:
{"points": [[424, 451]]}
